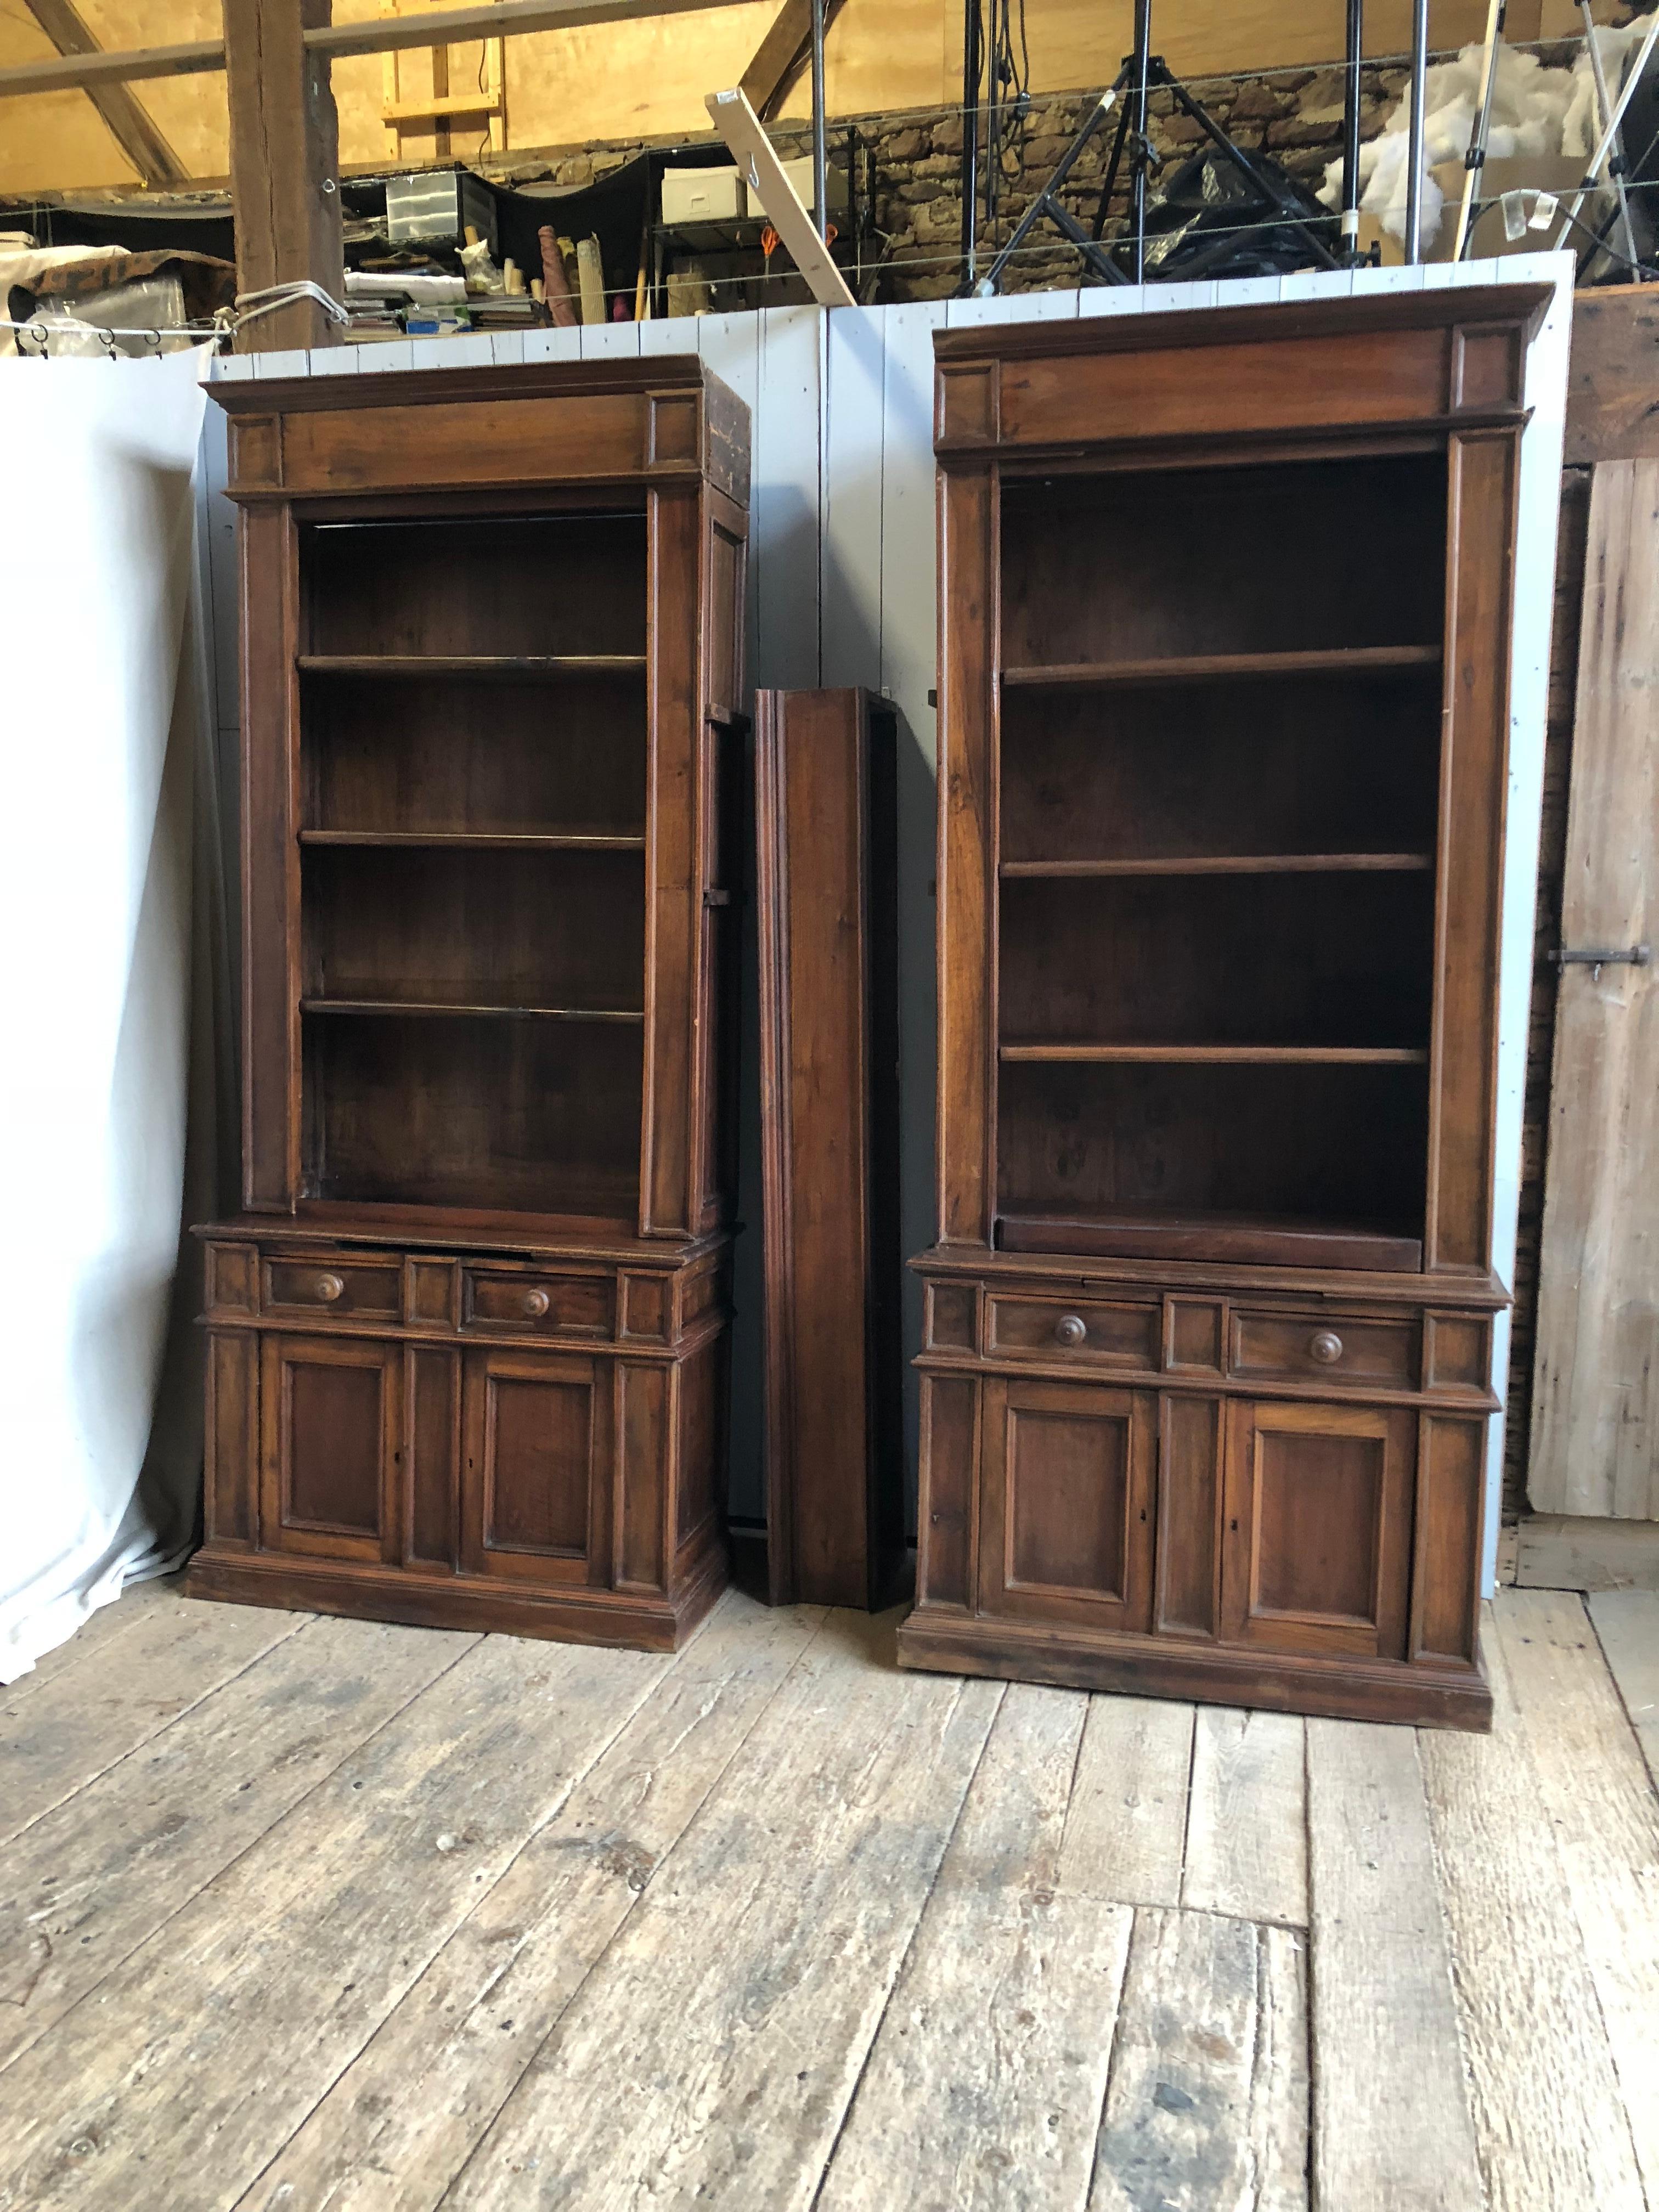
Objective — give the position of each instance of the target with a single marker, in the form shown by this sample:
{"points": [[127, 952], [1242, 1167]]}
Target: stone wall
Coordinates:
{"points": [[914, 164]]}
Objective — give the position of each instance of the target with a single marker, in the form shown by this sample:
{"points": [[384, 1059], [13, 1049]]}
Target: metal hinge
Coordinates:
{"points": [[1596, 958]]}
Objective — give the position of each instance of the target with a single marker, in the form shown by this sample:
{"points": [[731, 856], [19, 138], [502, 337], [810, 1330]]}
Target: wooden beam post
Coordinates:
{"points": [[132, 126], [284, 167]]}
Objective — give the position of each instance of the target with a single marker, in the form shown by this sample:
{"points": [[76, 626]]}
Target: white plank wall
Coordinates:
{"points": [[840, 591]]}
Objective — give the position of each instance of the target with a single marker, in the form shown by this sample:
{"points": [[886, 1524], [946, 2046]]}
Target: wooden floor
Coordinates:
{"points": [[301, 1912]]}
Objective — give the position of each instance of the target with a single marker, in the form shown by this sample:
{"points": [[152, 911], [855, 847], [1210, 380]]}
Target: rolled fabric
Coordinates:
{"points": [[553, 278]]}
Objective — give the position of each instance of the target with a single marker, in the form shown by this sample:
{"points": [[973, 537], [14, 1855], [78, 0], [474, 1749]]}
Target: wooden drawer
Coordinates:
{"points": [[1333, 1350], [335, 1285], [1093, 1334], [528, 1302]]}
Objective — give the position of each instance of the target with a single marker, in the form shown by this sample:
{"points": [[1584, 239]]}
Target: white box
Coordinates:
{"points": [[703, 196], [799, 173]]}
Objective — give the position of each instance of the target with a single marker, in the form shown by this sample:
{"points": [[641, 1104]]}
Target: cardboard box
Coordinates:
{"points": [[703, 196], [799, 173], [1541, 173]]}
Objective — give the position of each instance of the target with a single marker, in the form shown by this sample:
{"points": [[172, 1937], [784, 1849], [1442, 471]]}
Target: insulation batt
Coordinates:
{"points": [[1534, 111]]}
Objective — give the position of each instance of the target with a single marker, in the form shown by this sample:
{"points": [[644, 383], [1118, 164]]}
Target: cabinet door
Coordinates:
{"points": [[1318, 1528], [1067, 1484], [329, 1445], [535, 1479]]}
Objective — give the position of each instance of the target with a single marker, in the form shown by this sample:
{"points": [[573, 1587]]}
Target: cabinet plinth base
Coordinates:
{"points": [[1154, 1667], [619, 1618]]}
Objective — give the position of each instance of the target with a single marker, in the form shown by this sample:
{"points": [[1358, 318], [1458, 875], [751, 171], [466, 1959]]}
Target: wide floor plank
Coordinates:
{"points": [[407, 2113], [1247, 1828], [57, 1738], [1597, 1795], [1208, 2102], [382, 1920], [91, 1641], [1551, 2123], [164, 2090], [983, 2089], [1392, 2130], [712, 2055], [1127, 1824], [1628, 1624], [86, 1885]]}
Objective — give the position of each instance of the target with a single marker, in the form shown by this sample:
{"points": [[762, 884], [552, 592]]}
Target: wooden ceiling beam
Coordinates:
{"points": [[130, 125], [782, 54], [381, 34]]}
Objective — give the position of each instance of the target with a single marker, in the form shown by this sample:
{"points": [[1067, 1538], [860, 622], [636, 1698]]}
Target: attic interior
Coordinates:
{"points": [[830, 975]]}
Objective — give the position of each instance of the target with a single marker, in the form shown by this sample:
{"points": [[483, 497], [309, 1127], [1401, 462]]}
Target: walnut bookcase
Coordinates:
{"points": [[1223, 722], [469, 1337]]}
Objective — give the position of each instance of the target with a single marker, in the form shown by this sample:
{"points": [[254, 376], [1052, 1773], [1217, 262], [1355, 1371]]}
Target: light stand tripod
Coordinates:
{"points": [[1133, 87]]}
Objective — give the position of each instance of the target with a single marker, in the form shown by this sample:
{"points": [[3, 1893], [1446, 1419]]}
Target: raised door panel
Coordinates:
{"points": [[1318, 1501], [1067, 1504], [537, 1444], [330, 1446]]}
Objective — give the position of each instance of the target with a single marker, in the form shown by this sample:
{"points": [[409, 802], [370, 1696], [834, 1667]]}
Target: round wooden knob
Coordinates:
{"points": [[1071, 1329], [1326, 1346], [329, 1287], [535, 1303]]}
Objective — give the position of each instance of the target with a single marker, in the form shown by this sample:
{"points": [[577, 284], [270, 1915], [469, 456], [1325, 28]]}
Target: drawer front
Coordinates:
{"points": [[1330, 1349], [336, 1285], [1091, 1334], [534, 1305]]}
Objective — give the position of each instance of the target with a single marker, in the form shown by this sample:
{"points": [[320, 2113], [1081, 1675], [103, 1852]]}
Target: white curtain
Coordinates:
{"points": [[111, 962]]}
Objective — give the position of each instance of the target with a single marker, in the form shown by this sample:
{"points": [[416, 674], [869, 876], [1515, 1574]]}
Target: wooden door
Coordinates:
{"points": [[1595, 1446], [1067, 1504], [535, 1482], [330, 1422], [1316, 1549]]}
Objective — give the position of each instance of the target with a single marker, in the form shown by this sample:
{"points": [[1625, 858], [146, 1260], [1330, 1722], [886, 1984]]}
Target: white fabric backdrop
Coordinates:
{"points": [[102, 871]]}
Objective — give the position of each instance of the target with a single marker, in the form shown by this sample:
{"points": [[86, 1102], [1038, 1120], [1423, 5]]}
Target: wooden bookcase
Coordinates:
{"points": [[826, 781], [1224, 721], [469, 1338]]}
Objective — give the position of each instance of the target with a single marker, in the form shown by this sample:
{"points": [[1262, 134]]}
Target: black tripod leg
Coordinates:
{"points": [[1094, 255], [1047, 203], [1109, 183]]}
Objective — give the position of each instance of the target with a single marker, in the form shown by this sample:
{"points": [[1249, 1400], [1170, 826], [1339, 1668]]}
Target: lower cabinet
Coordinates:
{"points": [[1265, 1502], [1319, 1512], [330, 1446], [1098, 1508], [536, 1466], [532, 1442], [1067, 1491]]}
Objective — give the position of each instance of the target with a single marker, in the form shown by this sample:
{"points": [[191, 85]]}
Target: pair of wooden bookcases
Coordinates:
{"points": [[1223, 711]]}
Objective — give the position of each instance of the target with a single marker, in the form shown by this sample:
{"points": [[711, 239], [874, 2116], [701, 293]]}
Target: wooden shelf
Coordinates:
{"points": [[507, 840], [439, 1006], [1261, 1240], [1217, 667], [511, 667], [1221, 1056], [1227, 863]]}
